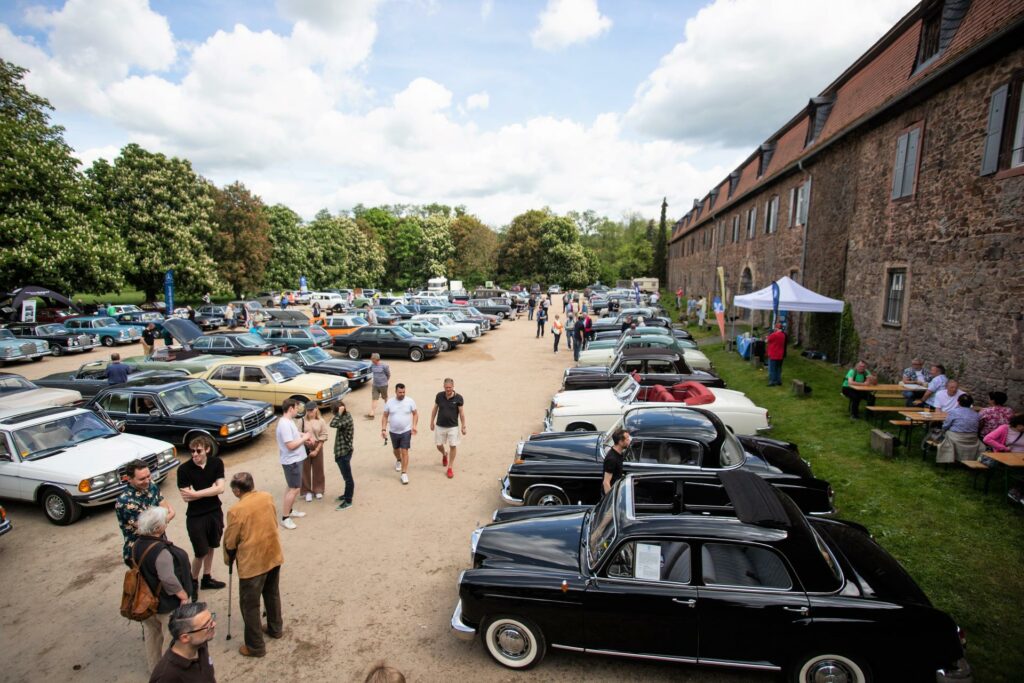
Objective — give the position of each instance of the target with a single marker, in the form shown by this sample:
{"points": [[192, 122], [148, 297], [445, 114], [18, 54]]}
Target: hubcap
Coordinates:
{"points": [[830, 671], [549, 499], [55, 507], [512, 642]]}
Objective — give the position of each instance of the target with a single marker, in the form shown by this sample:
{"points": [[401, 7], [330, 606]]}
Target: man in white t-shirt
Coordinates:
{"points": [[291, 444], [949, 397], [400, 419]]}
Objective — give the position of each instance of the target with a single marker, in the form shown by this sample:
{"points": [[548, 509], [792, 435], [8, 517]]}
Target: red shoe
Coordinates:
{"points": [[444, 460], [450, 473]]}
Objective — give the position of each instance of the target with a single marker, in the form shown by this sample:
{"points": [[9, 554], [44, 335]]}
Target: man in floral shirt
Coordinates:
{"points": [[140, 494]]}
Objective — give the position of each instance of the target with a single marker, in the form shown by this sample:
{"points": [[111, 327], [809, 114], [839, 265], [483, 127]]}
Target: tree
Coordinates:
{"points": [[519, 248], [345, 255], [438, 247], [661, 247], [291, 251], [241, 238], [162, 209], [475, 250], [50, 234]]}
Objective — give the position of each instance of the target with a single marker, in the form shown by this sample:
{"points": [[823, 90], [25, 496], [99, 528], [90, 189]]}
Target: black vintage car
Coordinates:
{"points": [[557, 468], [192, 339], [61, 339], [387, 340], [648, 365], [91, 378], [492, 307], [725, 572], [175, 410], [357, 372]]}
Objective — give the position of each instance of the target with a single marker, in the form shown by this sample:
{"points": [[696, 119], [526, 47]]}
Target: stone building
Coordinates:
{"points": [[898, 189]]}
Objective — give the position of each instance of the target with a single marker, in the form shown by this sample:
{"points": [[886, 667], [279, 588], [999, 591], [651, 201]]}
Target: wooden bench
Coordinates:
{"points": [[874, 410], [906, 427], [976, 467]]}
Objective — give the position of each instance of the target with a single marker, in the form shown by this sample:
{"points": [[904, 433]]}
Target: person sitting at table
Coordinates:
{"points": [[858, 374], [915, 374], [961, 432], [1007, 437], [995, 415], [935, 384], [946, 400]]}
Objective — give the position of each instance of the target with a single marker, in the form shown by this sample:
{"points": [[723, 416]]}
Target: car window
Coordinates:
{"points": [[660, 366], [652, 561], [142, 404], [116, 402], [12, 384], [731, 564], [5, 451], [226, 372], [72, 324], [203, 343], [252, 374], [249, 340], [601, 533], [297, 334], [632, 365]]}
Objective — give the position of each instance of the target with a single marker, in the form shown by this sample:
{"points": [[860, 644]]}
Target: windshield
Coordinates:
{"points": [[285, 369], [626, 389], [105, 322], [12, 384], [402, 309], [445, 320], [47, 438], [51, 329], [6, 334], [607, 441], [189, 396], [151, 317], [250, 341], [314, 355], [402, 333], [732, 452], [474, 310], [429, 326], [318, 331], [601, 533]]}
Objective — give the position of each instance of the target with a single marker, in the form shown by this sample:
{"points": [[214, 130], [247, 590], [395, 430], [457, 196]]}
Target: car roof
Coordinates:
{"points": [[655, 420], [18, 416], [157, 382]]}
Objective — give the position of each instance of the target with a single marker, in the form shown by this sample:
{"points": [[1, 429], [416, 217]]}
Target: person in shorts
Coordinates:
{"points": [[379, 389], [291, 445], [445, 419], [201, 481], [400, 419]]}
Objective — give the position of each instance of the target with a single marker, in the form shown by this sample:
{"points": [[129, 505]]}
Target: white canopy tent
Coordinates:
{"points": [[794, 298]]}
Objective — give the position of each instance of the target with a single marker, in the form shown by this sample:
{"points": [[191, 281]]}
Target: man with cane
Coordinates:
{"points": [[251, 539]]}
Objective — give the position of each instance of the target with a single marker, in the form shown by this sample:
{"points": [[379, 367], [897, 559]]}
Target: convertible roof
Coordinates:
{"points": [[754, 499]]}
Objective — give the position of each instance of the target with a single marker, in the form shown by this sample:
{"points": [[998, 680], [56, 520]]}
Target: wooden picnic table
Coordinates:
{"points": [[876, 388], [1009, 461], [918, 417]]}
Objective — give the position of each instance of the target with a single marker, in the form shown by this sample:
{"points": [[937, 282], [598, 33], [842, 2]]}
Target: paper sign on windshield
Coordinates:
{"points": [[278, 377], [648, 562]]}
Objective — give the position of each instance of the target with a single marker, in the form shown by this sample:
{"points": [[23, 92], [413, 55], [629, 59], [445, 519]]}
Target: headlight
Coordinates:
{"points": [[269, 411], [122, 333], [95, 339], [72, 342], [8, 351], [165, 456]]}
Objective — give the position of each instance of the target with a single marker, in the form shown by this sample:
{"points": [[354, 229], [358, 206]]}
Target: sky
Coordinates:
{"points": [[498, 105]]}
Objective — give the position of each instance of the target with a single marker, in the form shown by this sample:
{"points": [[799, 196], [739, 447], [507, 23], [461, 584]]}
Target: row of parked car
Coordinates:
{"points": [[717, 547]]}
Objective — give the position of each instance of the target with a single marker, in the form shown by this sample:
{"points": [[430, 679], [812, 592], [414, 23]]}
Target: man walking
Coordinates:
{"points": [[140, 493], [201, 481], [702, 311], [252, 540], [291, 444], [117, 372], [400, 420], [379, 389], [542, 317], [776, 349], [613, 459], [579, 332], [447, 415], [148, 340], [531, 304], [188, 659]]}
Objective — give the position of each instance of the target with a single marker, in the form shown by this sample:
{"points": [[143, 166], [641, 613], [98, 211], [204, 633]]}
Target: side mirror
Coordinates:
{"points": [[120, 425]]}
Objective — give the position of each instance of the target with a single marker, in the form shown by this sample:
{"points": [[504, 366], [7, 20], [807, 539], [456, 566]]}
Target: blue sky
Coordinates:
{"points": [[501, 105]]}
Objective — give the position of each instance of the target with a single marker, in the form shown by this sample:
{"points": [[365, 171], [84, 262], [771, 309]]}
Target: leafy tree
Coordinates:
{"points": [[661, 247], [345, 255], [290, 249], [475, 250], [241, 238], [50, 234], [438, 247], [563, 259], [162, 209], [520, 247]]}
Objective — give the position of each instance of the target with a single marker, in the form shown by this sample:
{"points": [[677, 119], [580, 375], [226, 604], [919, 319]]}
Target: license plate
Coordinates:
{"points": [[259, 430]]}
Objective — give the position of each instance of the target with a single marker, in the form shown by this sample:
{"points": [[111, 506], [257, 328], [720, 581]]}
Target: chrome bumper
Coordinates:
{"points": [[505, 495], [461, 630], [250, 433], [959, 673]]}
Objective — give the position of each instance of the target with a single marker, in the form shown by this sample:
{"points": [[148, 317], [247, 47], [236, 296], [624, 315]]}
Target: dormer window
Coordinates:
{"points": [[940, 20], [764, 157], [817, 114], [734, 180]]}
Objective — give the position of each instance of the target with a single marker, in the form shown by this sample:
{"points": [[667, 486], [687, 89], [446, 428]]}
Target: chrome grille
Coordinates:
{"points": [[251, 420], [150, 461], [28, 348], [84, 340]]}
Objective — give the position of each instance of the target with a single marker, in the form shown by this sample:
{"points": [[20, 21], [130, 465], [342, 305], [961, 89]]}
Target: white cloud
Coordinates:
{"points": [[480, 100], [745, 67], [565, 22]]}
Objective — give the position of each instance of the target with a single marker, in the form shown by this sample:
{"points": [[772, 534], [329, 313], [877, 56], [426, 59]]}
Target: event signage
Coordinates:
{"points": [[169, 291], [28, 311]]}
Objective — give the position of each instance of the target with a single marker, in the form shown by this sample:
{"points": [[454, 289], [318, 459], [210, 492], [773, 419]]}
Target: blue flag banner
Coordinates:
{"points": [[775, 302], [717, 306], [302, 283], [169, 291]]}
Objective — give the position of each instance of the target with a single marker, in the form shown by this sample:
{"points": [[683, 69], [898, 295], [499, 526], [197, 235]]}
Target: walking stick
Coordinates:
{"points": [[231, 571]]}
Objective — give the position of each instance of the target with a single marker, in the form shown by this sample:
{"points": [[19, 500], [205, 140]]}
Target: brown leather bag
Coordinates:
{"points": [[138, 602]]}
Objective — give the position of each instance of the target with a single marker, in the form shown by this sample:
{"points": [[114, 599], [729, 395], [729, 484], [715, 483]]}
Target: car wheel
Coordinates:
{"points": [[465, 338], [107, 341], [59, 507], [57, 350], [514, 642], [353, 352], [544, 495], [829, 667], [443, 345], [415, 355], [580, 427]]}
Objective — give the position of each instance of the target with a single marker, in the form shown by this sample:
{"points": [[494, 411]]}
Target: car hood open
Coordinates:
{"points": [[550, 542], [183, 330]]}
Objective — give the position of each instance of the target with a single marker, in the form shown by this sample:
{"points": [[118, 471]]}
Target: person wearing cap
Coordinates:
{"points": [[313, 466], [995, 415]]}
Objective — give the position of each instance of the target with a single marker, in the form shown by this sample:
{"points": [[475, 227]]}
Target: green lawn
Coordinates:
{"points": [[963, 547]]}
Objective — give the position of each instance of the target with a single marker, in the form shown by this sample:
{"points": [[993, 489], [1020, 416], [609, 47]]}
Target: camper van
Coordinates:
{"points": [[647, 285], [437, 285]]}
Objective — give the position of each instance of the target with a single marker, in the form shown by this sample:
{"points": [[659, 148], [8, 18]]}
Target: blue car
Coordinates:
{"points": [[106, 328], [141, 319]]}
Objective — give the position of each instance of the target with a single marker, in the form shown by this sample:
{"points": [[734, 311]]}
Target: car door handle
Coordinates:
{"points": [[798, 610], [689, 603], [243, 386]]}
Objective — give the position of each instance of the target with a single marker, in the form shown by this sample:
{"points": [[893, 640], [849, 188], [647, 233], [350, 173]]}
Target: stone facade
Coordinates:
{"points": [[956, 239]]}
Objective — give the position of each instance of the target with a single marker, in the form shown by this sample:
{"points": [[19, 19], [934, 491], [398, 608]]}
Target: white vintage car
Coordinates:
{"points": [[69, 458], [17, 393], [598, 409], [470, 330], [604, 354]]}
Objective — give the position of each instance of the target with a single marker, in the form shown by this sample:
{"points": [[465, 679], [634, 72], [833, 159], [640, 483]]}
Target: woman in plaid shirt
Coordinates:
{"points": [[343, 436]]}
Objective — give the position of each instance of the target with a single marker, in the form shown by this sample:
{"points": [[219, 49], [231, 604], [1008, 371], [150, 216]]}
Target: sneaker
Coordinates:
{"points": [[309, 497], [319, 496], [398, 466], [343, 505], [287, 523], [297, 514], [211, 583], [444, 460], [405, 478], [450, 473]]}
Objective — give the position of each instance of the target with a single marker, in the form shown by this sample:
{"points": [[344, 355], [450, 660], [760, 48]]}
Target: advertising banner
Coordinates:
{"points": [[169, 291], [719, 302]]}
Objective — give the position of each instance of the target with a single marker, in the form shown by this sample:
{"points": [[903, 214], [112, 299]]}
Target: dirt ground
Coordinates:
{"points": [[376, 581]]}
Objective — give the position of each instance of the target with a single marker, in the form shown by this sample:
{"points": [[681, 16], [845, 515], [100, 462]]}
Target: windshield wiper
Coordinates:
{"points": [[39, 455]]}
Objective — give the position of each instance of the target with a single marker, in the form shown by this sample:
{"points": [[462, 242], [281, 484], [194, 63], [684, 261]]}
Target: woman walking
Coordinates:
{"points": [[313, 465], [343, 439], [556, 330]]}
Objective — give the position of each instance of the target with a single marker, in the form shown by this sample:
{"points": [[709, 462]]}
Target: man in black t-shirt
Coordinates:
{"points": [[201, 481], [446, 416], [148, 340], [613, 459]]}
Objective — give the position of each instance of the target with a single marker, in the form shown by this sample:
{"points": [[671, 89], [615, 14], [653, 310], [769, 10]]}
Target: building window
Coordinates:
{"points": [[736, 228], [771, 215], [1004, 137], [904, 175], [939, 23], [894, 292], [928, 47], [1017, 151], [803, 201], [751, 223]]}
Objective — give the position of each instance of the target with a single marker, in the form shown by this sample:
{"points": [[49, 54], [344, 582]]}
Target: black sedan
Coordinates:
{"points": [[91, 378], [492, 307], [648, 365], [556, 468], [387, 340], [61, 339], [192, 338], [357, 372], [176, 410], [727, 572]]}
